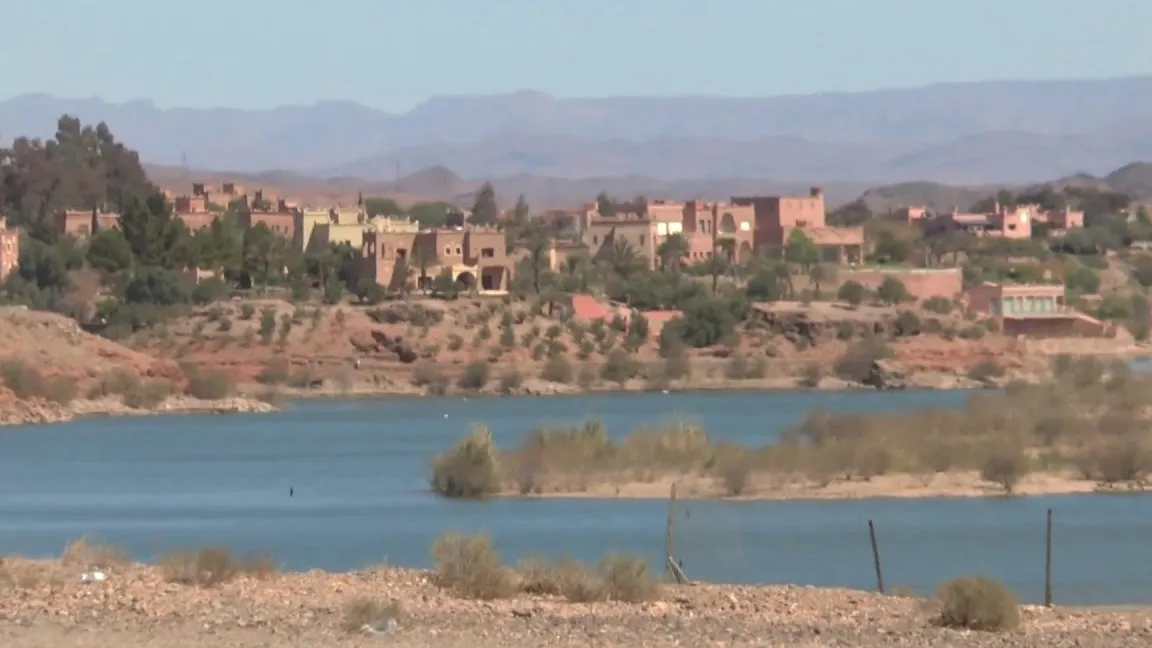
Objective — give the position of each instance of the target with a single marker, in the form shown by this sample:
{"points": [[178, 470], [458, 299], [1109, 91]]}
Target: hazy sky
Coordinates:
{"points": [[393, 54]]}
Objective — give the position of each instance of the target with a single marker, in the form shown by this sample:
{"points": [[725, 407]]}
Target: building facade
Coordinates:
{"points": [[476, 258]]}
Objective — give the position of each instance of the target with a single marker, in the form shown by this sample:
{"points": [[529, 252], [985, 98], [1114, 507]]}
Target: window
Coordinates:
{"points": [[641, 239], [458, 250], [401, 253], [595, 240], [447, 249], [488, 253]]}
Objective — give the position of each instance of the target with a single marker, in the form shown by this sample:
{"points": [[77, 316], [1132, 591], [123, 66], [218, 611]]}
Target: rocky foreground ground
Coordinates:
{"points": [[45, 604]]}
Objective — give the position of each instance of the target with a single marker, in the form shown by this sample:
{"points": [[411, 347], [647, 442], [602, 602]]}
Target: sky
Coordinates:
{"points": [[395, 54]]}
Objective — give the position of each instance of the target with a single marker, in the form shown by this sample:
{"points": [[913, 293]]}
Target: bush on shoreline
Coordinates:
{"points": [[1089, 420]]}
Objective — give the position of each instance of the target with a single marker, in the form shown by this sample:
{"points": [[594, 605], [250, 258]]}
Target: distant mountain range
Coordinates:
{"points": [[969, 133], [439, 183]]}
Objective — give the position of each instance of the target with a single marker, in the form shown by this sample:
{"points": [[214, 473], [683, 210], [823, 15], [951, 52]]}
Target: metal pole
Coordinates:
{"points": [[876, 556], [1048, 561]]}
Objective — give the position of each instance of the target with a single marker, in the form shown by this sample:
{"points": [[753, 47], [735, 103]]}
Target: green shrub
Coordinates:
{"points": [[939, 305], [977, 603], [468, 470]]}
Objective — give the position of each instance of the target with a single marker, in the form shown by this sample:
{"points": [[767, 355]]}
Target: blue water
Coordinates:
{"points": [[359, 471]]}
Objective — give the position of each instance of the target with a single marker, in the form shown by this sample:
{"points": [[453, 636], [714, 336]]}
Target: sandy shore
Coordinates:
{"points": [[135, 607], [762, 487], [25, 412]]}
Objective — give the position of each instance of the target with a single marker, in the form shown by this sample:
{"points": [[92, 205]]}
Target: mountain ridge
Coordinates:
{"points": [[1006, 131]]}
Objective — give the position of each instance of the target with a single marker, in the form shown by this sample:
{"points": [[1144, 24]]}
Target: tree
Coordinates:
{"points": [[264, 255], [853, 293], [219, 247], [156, 236], [800, 249], [672, 251], [765, 285], [109, 252], [485, 210], [892, 291], [820, 274], [605, 205]]}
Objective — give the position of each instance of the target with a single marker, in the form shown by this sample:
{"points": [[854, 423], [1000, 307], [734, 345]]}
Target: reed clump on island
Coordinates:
{"points": [[1086, 429]]}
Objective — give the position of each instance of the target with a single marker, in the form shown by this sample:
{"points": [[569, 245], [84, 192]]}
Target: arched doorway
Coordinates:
{"points": [[467, 280]]}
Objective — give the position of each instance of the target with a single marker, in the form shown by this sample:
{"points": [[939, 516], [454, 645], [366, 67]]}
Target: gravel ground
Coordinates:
{"points": [[136, 608]]}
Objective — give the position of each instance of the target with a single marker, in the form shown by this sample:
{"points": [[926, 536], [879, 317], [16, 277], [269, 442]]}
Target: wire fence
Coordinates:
{"points": [[1096, 554]]}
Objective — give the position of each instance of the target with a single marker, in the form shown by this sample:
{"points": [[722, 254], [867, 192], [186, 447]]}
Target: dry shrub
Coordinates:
{"points": [[17, 573], [470, 469], [115, 382], [469, 566], [372, 613], [977, 603], [24, 380], [148, 394], [86, 554], [275, 372], [1005, 466], [210, 385], [564, 576], [628, 579], [857, 362], [617, 577], [210, 566]]}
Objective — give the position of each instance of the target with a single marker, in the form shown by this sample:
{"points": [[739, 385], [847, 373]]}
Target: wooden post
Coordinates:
{"points": [[876, 556], [1048, 561], [670, 565]]}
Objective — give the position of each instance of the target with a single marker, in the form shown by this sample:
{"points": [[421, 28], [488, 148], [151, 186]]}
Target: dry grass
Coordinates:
{"points": [[469, 566], [210, 566], [372, 613], [86, 554], [1091, 420]]}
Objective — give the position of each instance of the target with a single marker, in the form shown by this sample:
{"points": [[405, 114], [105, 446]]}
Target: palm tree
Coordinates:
{"points": [[622, 258]]}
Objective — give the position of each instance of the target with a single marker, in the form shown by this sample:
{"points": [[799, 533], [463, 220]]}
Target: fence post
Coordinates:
{"points": [[670, 531], [876, 556], [1048, 561]]}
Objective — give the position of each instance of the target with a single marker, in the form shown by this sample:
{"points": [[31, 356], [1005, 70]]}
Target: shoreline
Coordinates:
{"points": [[898, 486], [773, 386], [26, 413]]}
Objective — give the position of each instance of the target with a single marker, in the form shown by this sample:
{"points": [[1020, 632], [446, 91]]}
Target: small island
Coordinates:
{"points": [[1083, 431]]}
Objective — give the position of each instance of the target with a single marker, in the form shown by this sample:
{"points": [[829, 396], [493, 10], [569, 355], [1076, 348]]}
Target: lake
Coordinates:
{"points": [[359, 473]]}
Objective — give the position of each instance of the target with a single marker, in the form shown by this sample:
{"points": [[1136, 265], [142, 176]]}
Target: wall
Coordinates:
{"points": [[9, 250], [1060, 326], [921, 283]]}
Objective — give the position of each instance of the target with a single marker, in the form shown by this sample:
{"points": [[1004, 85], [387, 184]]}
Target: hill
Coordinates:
{"points": [[968, 133]]}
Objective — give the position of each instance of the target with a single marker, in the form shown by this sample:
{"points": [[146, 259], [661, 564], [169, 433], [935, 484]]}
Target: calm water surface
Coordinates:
{"points": [[359, 470]]}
